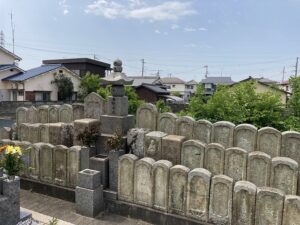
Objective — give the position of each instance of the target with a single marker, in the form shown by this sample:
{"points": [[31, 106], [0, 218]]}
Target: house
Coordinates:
{"points": [[36, 84], [263, 85], [151, 92], [176, 85], [139, 80], [210, 83], [82, 65], [191, 87]]}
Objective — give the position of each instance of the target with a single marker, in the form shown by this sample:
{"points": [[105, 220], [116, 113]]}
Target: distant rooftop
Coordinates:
{"points": [[77, 60], [32, 73], [155, 88], [10, 53], [172, 80], [138, 80], [217, 80], [192, 82]]}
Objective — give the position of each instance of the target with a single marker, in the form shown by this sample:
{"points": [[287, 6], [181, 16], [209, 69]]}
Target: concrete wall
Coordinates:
{"points": [[259, 88], [6, 58]]}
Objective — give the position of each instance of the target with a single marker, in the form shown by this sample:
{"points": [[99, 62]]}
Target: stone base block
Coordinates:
{"points": [[109, 194], [82, 125], [89, 202], [101, 144], [100, 163], [136, 141], [89, 179], [111, 124], [117, 106]]}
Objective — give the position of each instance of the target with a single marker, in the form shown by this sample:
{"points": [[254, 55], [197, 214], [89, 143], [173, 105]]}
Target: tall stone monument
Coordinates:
{"points": [[117, 118]]}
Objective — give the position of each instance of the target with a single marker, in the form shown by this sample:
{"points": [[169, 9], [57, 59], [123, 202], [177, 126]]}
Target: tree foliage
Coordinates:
{"points": [[239, 104], [89, 83], [162, 107], [133, 100], [64, 86]]}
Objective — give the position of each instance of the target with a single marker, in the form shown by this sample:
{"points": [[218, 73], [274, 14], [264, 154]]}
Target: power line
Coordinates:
{"points": [[296, 67]]}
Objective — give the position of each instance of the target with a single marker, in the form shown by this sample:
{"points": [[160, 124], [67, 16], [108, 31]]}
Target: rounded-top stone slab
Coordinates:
{"points": [[245, 185]]}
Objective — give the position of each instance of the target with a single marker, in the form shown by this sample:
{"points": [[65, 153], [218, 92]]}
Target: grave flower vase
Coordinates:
{"points": [[113, 157]]}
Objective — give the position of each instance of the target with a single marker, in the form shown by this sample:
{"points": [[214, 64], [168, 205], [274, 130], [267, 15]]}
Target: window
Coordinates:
{"points": [[60, 71], [173, 85], [21, 93], [42, 96]]}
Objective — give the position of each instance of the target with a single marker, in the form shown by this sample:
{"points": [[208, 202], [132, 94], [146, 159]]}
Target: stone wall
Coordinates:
{"points": [[52, 164], [202, 196]]}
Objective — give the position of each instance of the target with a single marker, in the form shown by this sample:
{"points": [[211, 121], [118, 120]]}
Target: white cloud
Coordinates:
{"points": [[138, 9], [157, 31], [174, 27], [65, 7], [190, 45], [190, 29], [202, 29]]}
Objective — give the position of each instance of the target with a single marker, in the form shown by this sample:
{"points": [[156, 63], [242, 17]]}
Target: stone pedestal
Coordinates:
{"points": [[101, 144], [113, 157], [117, 106], [100, 163], [83, 125], [89, 193], [111, 123]]}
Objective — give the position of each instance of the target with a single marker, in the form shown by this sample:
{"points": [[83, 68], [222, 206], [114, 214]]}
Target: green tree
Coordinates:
{"points": [[104, 92], [176, 93], [162, 107], [133, 100], [64, 86], [294, 101], [89, 83]]}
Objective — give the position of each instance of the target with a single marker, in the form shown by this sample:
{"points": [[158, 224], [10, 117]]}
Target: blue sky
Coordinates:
{"points": [[236, 38]]}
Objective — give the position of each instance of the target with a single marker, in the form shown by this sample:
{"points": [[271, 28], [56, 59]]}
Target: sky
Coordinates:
{"points": [[237, 38]]}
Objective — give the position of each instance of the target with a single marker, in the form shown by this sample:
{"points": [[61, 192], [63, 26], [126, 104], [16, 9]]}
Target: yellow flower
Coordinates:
{"points": [[10, 149], [18, 150]]}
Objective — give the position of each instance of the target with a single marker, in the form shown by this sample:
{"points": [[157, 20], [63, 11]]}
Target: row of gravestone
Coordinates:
{"points": [[51, 164], [94, 106], [199, 195], [257, 167]]}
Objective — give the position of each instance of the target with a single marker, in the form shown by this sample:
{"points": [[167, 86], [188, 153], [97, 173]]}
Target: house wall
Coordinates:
{"points": [[263, 89], [6, 58], [178, 87], [6, 86], [146, 95], [82, 68]]}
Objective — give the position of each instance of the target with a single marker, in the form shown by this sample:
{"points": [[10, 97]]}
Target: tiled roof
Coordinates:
{"points": [[217, 80], [155, 88], [6, 66], [172, 80], [10, 53], [76, 61], [32, 72], [191, 82], [138, 80]]}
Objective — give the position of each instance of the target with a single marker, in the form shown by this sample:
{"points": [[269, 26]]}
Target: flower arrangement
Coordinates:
{"points": [[12, 159], [89, 136], [116, 141]]}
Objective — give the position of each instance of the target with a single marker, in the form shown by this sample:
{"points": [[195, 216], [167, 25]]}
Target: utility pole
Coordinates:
{"points": [[12, 31], [283, 74], [296, 67], [2, 42], [206, 72], [143, 66]]}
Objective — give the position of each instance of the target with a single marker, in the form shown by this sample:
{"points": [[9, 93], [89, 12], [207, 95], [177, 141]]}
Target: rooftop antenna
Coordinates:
{"points": [[2, 42], [283, 73], [206, 71], [12, 30]]}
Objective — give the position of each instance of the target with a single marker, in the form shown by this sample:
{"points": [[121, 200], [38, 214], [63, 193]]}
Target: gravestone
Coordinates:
{"points": [[5, 133], [236, 163], [73, 165], [171, 148], [185, 126], [291, 215], [222, 133], [83, 125], [202, 131], [160, 179], [94, 106], [24, 145], [243, 205], [46, 164], [34, 161], [153, 144], [55, 133], [66, 113], [23, 132], [78, 111], [259, 168], [44, 133], [178, 189], [198, 194], [290, 148], [269, 141], [126, 177], [245, 137], [269, 206], [284, 175], [53, 113], [67, 134], [143, 183], [214, 158], [43, 112], [21, 115], [34, 132], [192, 154], [220, 204], [146, 116], [60, 165], [136, 140], [32, 115], [167, 123]]}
